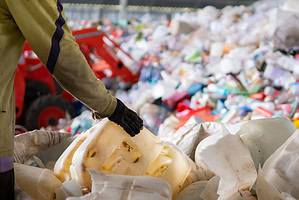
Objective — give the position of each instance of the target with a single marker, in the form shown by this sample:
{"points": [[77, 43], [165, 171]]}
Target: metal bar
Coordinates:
{"points": [[167, 3], [123, 9]]}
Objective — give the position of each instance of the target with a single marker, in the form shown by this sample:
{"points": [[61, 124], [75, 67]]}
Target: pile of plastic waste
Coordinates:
{"points": [[228, 65], [257, 159]]}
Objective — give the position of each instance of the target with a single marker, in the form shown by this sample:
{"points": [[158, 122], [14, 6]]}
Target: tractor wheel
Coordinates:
{"points": [[46, 111], [34, 90]]}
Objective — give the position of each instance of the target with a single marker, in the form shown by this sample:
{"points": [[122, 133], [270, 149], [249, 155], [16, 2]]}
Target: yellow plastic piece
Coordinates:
{"points": [[109, 149], [62, 166], [296, 123]]}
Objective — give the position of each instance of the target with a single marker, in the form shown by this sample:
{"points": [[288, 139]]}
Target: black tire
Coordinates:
{"points": [[40, 104], [34, 90]]}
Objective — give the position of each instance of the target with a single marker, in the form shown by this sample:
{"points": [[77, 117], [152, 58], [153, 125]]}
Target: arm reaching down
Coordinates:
{"points": [[42, 23]]}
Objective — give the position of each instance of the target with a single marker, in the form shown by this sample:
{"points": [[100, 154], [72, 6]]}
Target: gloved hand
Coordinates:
{"points": [[127, 119]]}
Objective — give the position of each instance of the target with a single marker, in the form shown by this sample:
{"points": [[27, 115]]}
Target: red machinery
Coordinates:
{"points": [[37, 92]]}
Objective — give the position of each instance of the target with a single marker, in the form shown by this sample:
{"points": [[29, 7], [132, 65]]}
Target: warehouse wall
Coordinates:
{"points": [[168, 3], [97, 9], [97, 12]]}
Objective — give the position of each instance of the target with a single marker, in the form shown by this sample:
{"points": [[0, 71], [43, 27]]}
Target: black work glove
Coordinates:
{"points": [[127, 119]]}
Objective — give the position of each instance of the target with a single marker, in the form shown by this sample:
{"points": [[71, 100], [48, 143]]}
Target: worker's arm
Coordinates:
{"points": [[42, 23]]}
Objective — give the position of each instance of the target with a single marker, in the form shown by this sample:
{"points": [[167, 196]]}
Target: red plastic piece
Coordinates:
{"points": [[182, 106], [174, 99], [203, 113], [258, 96], [264, 111]]}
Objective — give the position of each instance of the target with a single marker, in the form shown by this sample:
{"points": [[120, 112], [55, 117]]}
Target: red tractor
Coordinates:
{"points": [[40, 102]]}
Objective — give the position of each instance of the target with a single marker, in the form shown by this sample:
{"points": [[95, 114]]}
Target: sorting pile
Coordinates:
{"points": [[252, 160], [227, 65]]}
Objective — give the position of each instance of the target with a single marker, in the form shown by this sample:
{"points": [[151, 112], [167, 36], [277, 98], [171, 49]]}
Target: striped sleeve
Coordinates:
{"points": [[56, 38]]}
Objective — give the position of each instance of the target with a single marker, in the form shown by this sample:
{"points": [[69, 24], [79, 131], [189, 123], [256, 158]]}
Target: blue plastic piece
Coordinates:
{"points": [[194, 88], [150, 74], [244, 110]]}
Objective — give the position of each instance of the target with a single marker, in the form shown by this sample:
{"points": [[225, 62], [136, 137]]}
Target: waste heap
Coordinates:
{"points": [[256, 159], [228, 65]]}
